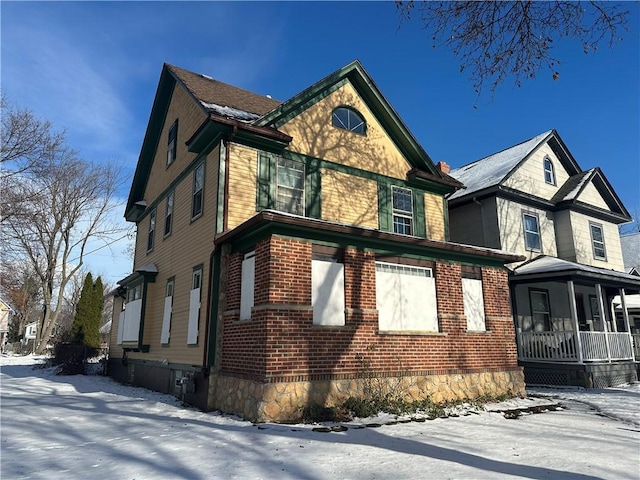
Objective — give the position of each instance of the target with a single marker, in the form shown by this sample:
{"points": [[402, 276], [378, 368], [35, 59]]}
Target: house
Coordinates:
{"points": [[533, 199], [5, 314], [289, 252], [630, 244]]}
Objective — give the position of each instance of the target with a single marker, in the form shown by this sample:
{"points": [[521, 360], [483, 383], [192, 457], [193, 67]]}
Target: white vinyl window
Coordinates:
{"points": [[597, 241], [290, 186], [168, 216], [152, 230], [549, 172], [166, 315], [327, 292], [247, 285], [406, 298], [198, 191], [194, 307], [402, 210], [531, 232]]}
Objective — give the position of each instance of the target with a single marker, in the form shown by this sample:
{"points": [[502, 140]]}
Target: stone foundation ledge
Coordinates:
{"points": [[284, 402]]}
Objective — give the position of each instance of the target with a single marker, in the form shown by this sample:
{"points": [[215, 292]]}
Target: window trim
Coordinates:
{"points": [[396, 212], [168, 214], [551, 171], [151, 232], [194, 192], [548, 323], [348, 128], [594, 241], [525, 231], [278, 186], [172, 143]]}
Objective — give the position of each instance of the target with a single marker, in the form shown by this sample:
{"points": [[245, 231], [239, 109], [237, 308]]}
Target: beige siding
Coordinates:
{"points": [[434, 211], [564, 236], [591, 196], [529, 177], [115, 351], [512, 229], [313, 134], [190, 117], [581, 235], [243, 173], [349, 199]]}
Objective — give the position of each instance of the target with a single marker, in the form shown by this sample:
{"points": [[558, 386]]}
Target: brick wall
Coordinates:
{"points": [[280, 342]]}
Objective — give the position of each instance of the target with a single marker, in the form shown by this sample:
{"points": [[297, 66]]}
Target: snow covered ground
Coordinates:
{"points": [[80, 427]]}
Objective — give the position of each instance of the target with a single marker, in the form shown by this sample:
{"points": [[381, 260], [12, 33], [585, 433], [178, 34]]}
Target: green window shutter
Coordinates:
{"points": [[419, 221], [266, 172], [384, 206], [313, 197]]}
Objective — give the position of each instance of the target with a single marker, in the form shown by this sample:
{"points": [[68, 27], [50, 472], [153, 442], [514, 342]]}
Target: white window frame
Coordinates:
{"points": [[547, 324], [151, 234], [197, 196], [282, 189], [531, 232], [401, 213], [168, 214], [549, 171], [597, 244], [247, 286], [172, 143]]}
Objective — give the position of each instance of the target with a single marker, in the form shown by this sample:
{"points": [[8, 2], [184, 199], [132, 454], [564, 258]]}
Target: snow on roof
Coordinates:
{"points": [[630, 244], [230, 112], [578, 187], [547, 264], [491, 170]]}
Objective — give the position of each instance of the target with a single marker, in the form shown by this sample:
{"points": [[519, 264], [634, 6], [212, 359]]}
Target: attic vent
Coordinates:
{"points": [[206, 76]]}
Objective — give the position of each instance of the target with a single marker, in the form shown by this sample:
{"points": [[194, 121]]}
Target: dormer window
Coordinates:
{"points": [[350, 119], [549, 173]]}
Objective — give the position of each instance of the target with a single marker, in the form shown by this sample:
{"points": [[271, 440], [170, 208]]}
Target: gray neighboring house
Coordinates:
{"points": [[533, 199]]}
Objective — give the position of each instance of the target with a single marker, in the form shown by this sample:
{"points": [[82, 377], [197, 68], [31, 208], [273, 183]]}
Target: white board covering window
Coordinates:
{"points": [[120, 328], [473, 304], [166, 314], [406, 298], [327, 292], [194, 308], [247, 285], [132, 315]]}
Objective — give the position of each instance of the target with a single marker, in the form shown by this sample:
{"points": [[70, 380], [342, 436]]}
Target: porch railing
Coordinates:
{"points": [[562, 346]]}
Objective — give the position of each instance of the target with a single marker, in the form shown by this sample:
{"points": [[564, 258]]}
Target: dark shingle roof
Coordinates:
{"points": [[630, 244], [571, 187], [210, 91]]}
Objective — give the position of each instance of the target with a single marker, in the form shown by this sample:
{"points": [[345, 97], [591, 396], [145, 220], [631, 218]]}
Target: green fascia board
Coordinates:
{"points": [[151, 138], [371, 94], [379, 242], [213, 130]]}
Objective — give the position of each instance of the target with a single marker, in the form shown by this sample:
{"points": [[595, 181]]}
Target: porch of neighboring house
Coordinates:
{"points": [[571, 331]]}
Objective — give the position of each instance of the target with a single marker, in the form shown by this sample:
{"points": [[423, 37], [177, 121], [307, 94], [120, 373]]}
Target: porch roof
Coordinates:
{"points": [[551, 268]]}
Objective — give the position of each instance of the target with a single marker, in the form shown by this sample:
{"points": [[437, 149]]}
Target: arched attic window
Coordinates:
{"points": [[350, 119], [549, 171]]}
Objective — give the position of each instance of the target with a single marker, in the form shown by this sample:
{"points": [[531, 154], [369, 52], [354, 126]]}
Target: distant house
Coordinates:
{"points": [[288, 252], [533, 199], [5, 314]]}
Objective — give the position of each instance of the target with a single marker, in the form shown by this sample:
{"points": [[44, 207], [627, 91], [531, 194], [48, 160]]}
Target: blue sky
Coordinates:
{"points": [[92, 68]]}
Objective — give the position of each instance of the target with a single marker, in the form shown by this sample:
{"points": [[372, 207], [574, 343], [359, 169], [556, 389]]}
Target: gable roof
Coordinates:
{"points": [[493, 170], [630, 244]]}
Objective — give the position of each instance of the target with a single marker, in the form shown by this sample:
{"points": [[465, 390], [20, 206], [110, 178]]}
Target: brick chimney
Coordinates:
{"points": [[443, 167]]}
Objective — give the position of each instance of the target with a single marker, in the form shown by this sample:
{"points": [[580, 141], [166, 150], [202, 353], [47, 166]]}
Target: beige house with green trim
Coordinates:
{"points": [[288, 251], [533, 199]]}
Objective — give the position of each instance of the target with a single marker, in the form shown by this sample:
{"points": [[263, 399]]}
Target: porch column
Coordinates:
{"points": [[625, 315], [574, 318], [603, 313]]}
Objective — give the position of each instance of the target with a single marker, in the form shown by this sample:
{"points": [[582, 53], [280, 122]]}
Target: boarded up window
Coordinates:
{"points": [[327, 291], [194, 307], [473, 304], [406, 298], [247, 286], [166, 314]]}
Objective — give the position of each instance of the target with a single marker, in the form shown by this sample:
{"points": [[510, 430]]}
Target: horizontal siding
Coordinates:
{"points": [[243, 172], [529, 177], [581, 234], [313, 134], [349, 199], [591, 196], [465, 225], [564, 236], [434, 211]]}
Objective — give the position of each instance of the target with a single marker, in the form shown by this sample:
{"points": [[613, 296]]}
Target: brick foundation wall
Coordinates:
{"points": [[280, 344]]}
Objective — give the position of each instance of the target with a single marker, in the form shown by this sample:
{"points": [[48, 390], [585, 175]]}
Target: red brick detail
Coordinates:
{"points": [[281, 340]]}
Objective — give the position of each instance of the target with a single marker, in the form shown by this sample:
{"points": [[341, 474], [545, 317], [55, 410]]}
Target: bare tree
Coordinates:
{"points": [[21, 289], [497, 39], [55, 212], [24, 139]]}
